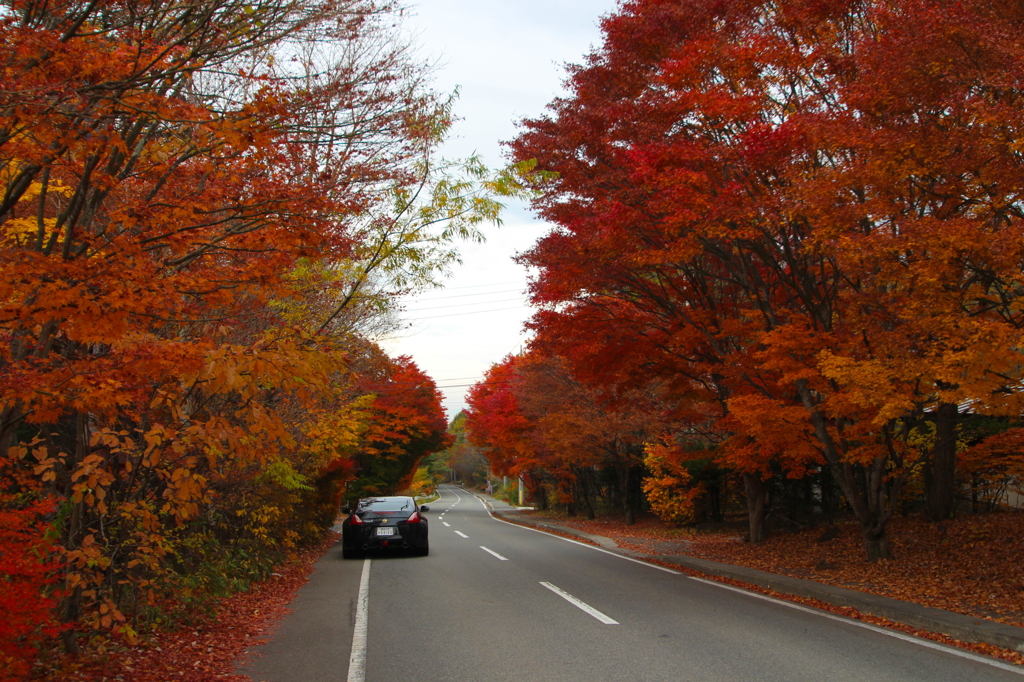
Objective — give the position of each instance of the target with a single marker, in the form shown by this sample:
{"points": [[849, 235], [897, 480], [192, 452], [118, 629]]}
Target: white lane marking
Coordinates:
{"points": [[580, 605], [583, 544], [462, 534], [447, 524], [357, 660], [825, 614], [491, 551], [868, 626]]}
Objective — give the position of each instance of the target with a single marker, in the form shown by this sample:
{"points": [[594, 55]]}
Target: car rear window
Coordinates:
{"points": [[386, 505]]}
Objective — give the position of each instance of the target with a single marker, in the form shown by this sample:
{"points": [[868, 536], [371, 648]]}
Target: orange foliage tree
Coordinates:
{"points": [[536, 419], [201, 210], [405, 423], [810, 208]]}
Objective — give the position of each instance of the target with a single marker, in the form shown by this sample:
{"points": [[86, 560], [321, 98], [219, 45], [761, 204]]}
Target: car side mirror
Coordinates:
{"points": [[424, 508], [346, 510]]}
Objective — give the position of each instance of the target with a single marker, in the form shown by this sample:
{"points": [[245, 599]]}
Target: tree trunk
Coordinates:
{"points": [[757, 498], [715, 500], [585, 488], [827, 500], [68, 636], [627, 498], [73, 600], [870, 499], [542, 496], [876, 543], [940, 470]]}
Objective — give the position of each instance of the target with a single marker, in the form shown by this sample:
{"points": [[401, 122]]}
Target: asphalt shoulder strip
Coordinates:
{"points": [[956, 625]]}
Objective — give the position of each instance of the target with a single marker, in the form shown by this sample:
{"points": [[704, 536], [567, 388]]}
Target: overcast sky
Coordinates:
{"points": [[507, 59]]}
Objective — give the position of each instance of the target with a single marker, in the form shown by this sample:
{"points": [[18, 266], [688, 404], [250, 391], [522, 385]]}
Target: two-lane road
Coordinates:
{"points": [[496, 601]]}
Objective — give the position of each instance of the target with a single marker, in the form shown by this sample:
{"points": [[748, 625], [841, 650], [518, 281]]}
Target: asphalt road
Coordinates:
{"points": [[496, 602]]}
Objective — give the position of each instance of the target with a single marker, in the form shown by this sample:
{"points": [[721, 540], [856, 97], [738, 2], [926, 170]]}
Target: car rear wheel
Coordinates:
{"points": [[424, 550], [350, 553]]}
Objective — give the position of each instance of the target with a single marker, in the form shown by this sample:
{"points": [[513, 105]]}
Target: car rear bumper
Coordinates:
{"points": [[380, 543]]}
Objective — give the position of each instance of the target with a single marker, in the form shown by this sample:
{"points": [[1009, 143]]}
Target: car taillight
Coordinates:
{"points": [[415, 518], [356, 521]]}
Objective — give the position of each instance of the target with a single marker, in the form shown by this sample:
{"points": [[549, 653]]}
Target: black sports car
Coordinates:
{"points": [[384, 523]]}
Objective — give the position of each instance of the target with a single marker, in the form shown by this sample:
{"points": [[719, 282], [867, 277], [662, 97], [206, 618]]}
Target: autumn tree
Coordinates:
{"points": [[203, 204], [495, 423], [542, 422], [731, 168], [463, 459], [405, 423]]}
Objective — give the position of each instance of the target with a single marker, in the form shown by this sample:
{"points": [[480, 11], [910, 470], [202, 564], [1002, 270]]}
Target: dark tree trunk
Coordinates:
{"points": [[940, 470], [583, 478], [627, 497], [871, 494], [715, 500], [542, 496], [757, 499], [73, 600], [876, 543], [827, 498], [68, 636]]}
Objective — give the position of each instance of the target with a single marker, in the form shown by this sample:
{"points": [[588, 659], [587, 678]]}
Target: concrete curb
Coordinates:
{"points": [[956, 625]]}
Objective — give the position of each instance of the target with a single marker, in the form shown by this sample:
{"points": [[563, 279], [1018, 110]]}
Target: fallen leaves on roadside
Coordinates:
{"points": [[207, 651], [972, 565], [979, 648]]}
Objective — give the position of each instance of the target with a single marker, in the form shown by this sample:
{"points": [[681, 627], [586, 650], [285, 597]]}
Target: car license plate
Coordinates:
{"points": [[385, 531]]}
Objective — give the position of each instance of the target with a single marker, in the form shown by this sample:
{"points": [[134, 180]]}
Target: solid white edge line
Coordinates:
{"points": [[995, 663], [491, 551], [357, 659], [868, 626], [461, 534], [580, 605], [583, 544]]}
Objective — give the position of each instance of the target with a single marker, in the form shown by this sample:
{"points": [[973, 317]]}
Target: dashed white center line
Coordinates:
{"points": [[461, 534], [447, 524], [580, 605], [492, 552]]}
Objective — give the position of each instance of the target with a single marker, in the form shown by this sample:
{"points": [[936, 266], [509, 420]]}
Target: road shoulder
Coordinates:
{"points": [[315, 647], [956, 625]]}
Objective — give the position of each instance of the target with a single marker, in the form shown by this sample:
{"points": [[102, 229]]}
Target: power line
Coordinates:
{"points": [[476, 286], [474, 384], [417, 319], [462, 305], [483, 293]]}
